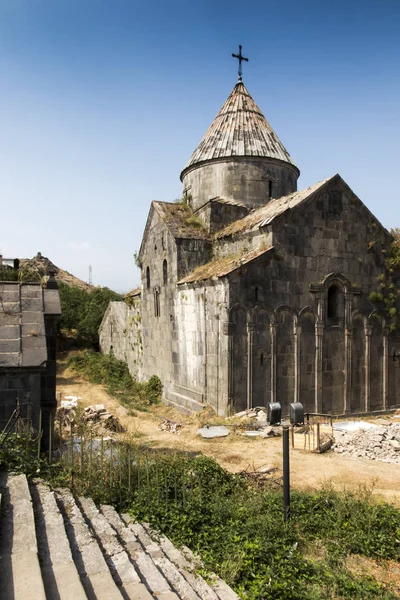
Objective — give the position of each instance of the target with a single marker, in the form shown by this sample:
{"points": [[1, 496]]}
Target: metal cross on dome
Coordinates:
{"points": [[240, 59]]}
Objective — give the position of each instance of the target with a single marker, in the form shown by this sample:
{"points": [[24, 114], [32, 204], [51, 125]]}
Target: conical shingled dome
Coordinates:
{"points": [[239, 129], [240, 158]]}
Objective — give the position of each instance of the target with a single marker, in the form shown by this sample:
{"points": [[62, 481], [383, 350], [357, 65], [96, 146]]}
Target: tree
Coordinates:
{"points": [[82, 311]]}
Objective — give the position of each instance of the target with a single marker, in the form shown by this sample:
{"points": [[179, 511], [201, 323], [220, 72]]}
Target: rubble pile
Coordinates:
{"points": [[97, 415], [259, 413], [98, 412], [378, 443], [171, 426]]}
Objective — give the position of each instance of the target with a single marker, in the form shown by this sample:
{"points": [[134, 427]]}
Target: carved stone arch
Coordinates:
{"points": [[286, 355], [308, 364], [285, 308], [336, 278], [238, 364], [358, 314], [262, 358], [374, 316], [358, 362], [266, 308]]}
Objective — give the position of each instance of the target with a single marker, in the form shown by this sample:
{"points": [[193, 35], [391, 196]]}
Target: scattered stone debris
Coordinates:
{"points": [[98, 412], [213, 431], [171, 426], [380, 443], [70, 401], [96, 415], [258, 413], [325, 443], [264, 432]]}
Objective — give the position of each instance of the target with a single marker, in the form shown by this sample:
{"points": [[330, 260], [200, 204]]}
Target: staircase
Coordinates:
{"points": [[54, 546]]}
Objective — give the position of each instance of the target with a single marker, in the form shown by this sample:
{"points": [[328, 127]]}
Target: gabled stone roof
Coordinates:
{"points": [[261, 217], [223, 266], [239, 129], [22, 327]]}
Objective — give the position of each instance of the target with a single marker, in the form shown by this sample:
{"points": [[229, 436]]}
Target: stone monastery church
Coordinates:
{"points": [[255, 292]]}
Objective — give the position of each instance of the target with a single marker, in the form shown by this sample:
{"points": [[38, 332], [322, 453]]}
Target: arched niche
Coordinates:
{"points": [[307, 360], [238, 365], [261, 357], [285, 356], [357, 397]]}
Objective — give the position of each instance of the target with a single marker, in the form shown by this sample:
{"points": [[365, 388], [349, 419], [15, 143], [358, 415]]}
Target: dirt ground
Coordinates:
{"points": [[236, 452]]}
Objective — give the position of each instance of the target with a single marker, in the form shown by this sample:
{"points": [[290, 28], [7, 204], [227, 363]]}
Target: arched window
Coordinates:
{"points": [[148, 277], [334, 302], [165, 271]]}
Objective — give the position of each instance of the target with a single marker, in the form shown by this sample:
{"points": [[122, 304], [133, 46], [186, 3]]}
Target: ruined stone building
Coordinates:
{"points": [[252, 291], [28, 326]]}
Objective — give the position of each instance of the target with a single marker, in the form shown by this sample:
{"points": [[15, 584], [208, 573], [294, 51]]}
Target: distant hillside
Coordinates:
{"points": [[43, 265]]}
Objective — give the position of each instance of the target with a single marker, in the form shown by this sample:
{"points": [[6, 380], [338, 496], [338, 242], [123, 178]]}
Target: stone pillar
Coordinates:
{"points": [[319, 340], [228, 328], [368, 333], [273, 328], [385, 369], [348, 337], [250, 336], [297, 334]]}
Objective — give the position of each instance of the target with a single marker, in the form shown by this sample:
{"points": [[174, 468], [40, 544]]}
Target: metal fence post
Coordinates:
{"points": [[286, 475]]}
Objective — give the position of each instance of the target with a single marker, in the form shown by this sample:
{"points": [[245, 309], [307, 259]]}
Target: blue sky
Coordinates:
{"points": [[102, 103]]}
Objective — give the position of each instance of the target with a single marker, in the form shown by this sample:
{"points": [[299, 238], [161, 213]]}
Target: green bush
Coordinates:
{"points": [[83, 311], [114, 374], [154, 389]]}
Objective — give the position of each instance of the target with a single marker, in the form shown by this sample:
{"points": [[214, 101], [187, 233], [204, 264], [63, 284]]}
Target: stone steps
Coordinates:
{"points": [[54, 546]]}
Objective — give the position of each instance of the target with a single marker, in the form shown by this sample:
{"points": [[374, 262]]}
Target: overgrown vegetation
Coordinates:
{"points": [[83, 311], [23, 274], [115, 376], [237, 530], [386, 299]]}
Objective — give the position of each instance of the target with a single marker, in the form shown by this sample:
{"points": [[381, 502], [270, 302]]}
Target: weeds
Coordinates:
{"points": [[237, 530], [115, 376]]}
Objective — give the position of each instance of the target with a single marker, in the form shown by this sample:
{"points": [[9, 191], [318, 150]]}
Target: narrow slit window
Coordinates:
{"points": [[157, 303], [261, 359], [270, 188], [165, 272], [148, 277], [256, 294]]}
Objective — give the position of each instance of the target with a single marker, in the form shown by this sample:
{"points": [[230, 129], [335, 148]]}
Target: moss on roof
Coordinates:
{"points": [[223, 266], [261, 217], [181, 221]]}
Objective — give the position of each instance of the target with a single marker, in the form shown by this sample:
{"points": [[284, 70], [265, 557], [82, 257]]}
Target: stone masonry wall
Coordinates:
{"points": [[24, 385], [199, 347], [246, 180], [324, 244], [121, 333]]}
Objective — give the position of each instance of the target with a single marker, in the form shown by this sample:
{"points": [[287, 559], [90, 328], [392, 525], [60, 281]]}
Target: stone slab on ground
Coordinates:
{"points": [[19, 562], [60, 577]]}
